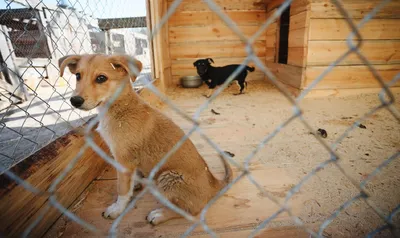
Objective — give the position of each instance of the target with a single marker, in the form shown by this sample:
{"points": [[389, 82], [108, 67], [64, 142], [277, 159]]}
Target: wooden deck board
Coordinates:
{"points": [[241, 208]]}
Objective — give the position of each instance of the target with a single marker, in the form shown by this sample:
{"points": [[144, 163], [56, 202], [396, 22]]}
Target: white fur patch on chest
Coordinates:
{"points": [[104, 132]]}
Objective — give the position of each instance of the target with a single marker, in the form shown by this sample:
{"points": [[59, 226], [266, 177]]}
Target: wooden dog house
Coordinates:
{"points": [[317, 37], [296, 47]]}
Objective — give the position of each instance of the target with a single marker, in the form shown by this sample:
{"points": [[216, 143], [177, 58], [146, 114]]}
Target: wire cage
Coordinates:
{"points": [[37, 119]]}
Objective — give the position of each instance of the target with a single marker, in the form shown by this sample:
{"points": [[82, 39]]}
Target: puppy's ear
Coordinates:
{"points": [[210, 60], [194, 64], [131, 65], [69, 60]]}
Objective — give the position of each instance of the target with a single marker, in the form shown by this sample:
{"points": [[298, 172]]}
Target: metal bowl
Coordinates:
{"points": [[191, 81]]}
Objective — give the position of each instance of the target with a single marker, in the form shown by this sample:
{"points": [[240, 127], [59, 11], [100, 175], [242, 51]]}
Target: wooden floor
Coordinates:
{"points": [[243, 121]]}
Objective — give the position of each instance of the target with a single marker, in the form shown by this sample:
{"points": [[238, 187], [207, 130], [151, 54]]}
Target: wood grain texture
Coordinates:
{"points": [[214, 50], [270, 54], [199, 5], [299, 21], [287, 74], [377, 52], [296, 6], [241, 18], [356, 8], [342, 77], [271, 37], [338, 29], [244, 207], [297, 57], [298, 37], [19, 207], [299, 6], [210, 33], [270, 41], [160, 44], [271, 30]]}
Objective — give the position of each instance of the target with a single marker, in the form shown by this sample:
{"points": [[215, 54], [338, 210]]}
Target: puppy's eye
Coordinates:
{"points": [[78, 76], [101, 79]]}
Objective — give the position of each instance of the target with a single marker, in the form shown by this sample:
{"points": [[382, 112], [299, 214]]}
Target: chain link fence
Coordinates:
{"points": [[36, 109], [34, 100]]}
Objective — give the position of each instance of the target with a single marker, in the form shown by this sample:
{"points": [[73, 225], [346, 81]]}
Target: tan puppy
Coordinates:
{"points": [[139, 135]]}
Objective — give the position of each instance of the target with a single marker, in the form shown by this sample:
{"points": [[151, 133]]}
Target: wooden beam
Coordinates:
{"points": [[298, 39], [151, 44], [160, 43], [299, 21], [297, 56], [210, 33], [241, 18], [270, 54], [20, 207], [351, 76], [271, 40], [273, 4], [215, 49], [271, 30], [355, 8], [287, 74], [299, 6], [296, 6], [322, 53], [338, 29], [196, 5]]}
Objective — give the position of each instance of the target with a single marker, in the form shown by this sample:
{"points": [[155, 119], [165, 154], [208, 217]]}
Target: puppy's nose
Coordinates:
{"points": [[77, 101]]}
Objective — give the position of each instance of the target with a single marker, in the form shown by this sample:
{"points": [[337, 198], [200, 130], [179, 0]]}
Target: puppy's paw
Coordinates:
{"points": [[156, 217], [116, 208]]}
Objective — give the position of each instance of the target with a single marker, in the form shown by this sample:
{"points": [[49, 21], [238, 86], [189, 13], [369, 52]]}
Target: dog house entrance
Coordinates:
{"points": [[284, 36]]}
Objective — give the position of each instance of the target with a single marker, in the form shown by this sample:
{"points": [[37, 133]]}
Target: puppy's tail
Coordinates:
{"points": [[228, 170], [251, 69]]}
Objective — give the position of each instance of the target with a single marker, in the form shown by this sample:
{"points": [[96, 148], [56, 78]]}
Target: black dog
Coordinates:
{"points": [[214, 76]]}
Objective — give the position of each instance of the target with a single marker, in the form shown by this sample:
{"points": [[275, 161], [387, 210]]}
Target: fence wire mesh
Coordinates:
{"points": [[34, 112]]}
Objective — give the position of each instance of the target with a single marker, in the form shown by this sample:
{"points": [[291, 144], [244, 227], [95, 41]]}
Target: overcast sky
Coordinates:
{"points": [[97, 8]]}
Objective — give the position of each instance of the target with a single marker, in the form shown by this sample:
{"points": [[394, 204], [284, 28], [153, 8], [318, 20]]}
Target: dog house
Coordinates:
{"points": [[312, 34], [297, 47]]}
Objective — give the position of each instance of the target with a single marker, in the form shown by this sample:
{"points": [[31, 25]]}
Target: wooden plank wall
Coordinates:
{"points": [[292, 73], [195, 31], [162, 63], [327, 35]]}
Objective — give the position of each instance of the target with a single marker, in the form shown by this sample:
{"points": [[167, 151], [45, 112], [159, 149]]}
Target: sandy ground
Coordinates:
{"points": [[282, 163], [295, 149]]}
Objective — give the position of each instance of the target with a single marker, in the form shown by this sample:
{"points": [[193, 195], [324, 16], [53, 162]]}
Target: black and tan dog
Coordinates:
{"points": [[214, 76]]}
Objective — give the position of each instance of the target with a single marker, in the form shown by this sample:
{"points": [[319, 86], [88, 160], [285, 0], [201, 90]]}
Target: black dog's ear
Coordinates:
{"points": [[210, 60], [194, 64]]}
